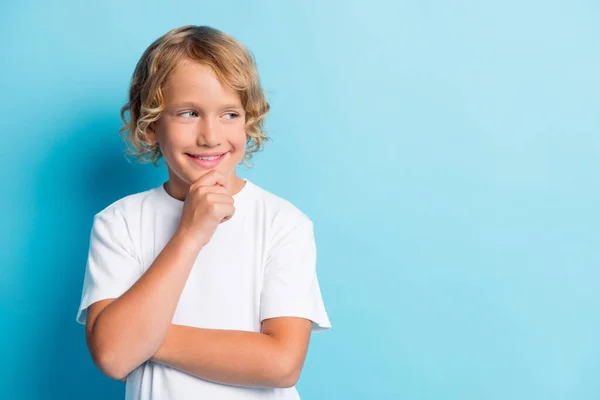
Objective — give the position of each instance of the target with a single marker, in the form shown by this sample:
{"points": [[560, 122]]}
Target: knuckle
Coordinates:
{"points": [[197, 188], [210, 197], [213, 207]]}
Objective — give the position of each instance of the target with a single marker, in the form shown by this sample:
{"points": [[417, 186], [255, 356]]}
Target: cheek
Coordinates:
{"points": [[172, 139], [239, 141]]}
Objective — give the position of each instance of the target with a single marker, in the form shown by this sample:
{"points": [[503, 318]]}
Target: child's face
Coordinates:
{"points": [[202, 116]]}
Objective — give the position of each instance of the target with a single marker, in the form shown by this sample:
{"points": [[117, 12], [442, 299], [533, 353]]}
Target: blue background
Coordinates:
{"points": [[448, 153]]}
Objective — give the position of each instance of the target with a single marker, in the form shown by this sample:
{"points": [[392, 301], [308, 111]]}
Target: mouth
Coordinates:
{"points": [[207, 161]]}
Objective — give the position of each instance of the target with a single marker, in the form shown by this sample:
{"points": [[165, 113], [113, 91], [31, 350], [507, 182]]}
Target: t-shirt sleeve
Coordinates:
{"points": [[291, 287], [111, 267]]}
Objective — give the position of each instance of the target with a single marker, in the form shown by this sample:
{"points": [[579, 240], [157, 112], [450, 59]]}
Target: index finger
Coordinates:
{"points": [[212, 177]]}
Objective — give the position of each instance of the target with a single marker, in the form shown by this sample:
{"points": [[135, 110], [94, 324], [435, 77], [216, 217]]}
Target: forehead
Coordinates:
{"points": [[192, 81]]}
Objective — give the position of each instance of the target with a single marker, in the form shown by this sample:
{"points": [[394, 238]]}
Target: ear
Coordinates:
{"points": [[151, 135]]}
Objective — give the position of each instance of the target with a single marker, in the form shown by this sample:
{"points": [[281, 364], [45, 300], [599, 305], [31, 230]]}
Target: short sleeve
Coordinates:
{"points": [[291, 287], [111, 267]]}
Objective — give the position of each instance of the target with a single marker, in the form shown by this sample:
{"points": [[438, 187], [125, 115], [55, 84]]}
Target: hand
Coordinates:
{"points": [[207, 204]]}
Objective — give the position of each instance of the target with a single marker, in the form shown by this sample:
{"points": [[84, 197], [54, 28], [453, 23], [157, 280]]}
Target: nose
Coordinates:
{"points": [[207, 133]]}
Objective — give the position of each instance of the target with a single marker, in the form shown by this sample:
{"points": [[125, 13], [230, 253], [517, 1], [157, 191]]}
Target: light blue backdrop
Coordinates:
{"points": [[447, 151]]}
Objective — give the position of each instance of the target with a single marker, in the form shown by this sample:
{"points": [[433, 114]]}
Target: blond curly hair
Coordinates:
{"points": [[232, 63]]}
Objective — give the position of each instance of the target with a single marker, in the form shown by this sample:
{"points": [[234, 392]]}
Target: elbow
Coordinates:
{"points": [[288, 373], [106, 358], [111, 366], [288, 380]]}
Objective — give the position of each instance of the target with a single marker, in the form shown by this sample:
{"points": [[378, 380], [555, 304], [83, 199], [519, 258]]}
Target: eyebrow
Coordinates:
{"points": [[194, 105]]}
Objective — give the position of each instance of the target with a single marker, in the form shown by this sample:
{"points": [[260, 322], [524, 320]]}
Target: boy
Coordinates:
{"points": [[204, 287]]}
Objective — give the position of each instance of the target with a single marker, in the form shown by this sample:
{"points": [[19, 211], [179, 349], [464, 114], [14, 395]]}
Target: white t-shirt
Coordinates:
{"points": [[260, 264]]}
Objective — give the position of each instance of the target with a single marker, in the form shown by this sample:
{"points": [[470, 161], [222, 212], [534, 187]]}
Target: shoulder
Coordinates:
{"points": [[124, 208], [279, 211], [118, 224]]}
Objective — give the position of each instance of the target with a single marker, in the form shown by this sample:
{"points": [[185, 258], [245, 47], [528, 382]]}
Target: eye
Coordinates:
{"points": [[188, 113], [232, 114]]}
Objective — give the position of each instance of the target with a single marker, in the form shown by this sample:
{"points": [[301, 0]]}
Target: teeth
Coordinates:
{"points": [[208, 158]]}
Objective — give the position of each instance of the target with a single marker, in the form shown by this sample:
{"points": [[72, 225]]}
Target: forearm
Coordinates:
{"points": [[230, 357], [131, 328]]}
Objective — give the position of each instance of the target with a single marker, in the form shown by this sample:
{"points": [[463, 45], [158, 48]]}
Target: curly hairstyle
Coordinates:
{"points": [[232, 63]]}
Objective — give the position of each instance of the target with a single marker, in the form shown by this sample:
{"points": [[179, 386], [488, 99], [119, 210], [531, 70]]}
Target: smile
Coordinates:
{"points": [[207, 162]]}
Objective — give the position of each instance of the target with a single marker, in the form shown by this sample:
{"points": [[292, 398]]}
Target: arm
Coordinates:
{"points": [[272, 358], [114, 326]]}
